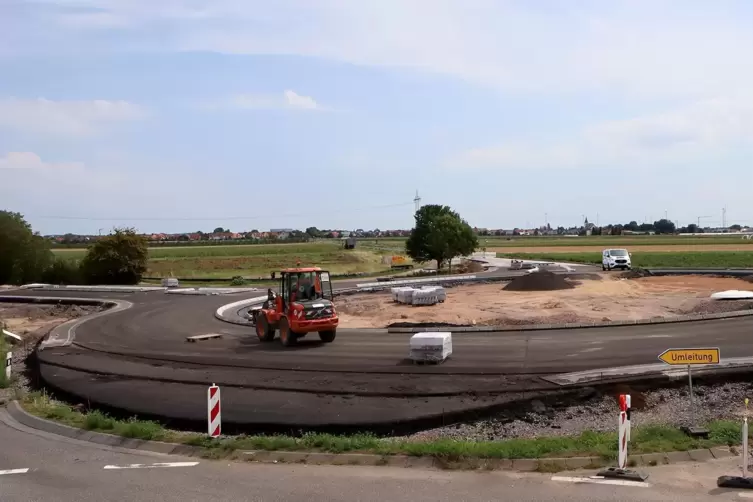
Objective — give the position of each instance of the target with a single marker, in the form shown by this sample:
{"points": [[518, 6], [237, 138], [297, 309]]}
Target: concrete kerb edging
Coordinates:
{"points": [[604, 324], [366, 459]]}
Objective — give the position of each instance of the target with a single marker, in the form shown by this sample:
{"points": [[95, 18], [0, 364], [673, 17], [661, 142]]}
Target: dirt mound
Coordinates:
{"points": [[636, 273], [539, 281]]}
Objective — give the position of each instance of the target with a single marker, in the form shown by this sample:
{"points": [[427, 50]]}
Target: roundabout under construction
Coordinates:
{"points": [[136, 358]]}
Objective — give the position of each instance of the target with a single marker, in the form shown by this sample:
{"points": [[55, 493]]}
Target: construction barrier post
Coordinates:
{"points": [[628, 410], [214, 415], [623, 431], [739, 481], [8, 364]]}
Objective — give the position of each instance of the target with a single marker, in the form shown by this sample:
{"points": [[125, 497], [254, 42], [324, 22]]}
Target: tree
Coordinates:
{"points": [[219, 230], [313, 231], [664, 226], [440, 234], [119, 258], [24, 255], [632, 226], [735, 227]]}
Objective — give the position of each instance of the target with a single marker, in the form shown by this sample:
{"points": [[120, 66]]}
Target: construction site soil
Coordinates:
{"points": [[546, 298]]}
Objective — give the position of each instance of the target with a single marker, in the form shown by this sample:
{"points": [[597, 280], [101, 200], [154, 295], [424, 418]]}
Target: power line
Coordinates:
{"points": [[215, 218]]}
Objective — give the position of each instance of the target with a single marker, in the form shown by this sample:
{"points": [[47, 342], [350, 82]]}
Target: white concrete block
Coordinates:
{"points": [[431, 346]]}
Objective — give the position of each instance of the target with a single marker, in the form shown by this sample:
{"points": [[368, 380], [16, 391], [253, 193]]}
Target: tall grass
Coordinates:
{"points": [[4, 347]]}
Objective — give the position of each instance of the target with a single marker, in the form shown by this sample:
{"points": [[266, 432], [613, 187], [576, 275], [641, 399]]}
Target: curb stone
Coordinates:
{"points": [[15, 410]]}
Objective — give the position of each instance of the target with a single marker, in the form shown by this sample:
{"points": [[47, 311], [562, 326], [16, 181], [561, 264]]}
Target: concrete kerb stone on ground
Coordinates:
{"points": [[15, 412], [601, 324]]}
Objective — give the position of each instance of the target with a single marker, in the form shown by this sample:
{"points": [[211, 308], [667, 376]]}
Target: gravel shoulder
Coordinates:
{"points": [[599, 413]]}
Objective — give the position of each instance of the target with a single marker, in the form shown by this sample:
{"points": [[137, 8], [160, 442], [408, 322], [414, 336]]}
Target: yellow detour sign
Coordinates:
{"points": [[683, 357]]}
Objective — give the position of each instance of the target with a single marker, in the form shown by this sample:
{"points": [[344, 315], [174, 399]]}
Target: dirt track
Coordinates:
{"points": [[678, 248], [592, 300]]}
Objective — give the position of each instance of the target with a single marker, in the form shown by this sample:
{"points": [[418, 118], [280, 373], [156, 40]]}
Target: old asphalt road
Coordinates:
{"points": [[37, 466], [138, 360]]}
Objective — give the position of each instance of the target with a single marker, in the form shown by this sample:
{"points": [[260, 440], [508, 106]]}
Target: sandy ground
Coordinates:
{"points": [[677, 248], [25, 320], [610, 298]]}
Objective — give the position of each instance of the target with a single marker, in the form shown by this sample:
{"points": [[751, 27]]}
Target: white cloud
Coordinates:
{"points": [[32, 161], [287, 100], [635, 46], [702, 129], [294, 100], [67, 118]]}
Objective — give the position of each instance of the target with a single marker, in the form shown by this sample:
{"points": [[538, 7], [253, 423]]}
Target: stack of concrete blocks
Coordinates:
{"points": [[427, 295], [170, 282], [438, 290], [402, 294], [432, 347]]}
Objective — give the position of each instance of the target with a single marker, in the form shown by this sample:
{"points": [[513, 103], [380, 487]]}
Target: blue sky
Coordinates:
{"points": [[184, 115]]}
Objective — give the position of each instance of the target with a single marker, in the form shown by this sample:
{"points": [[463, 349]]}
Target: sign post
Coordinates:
{"points": [[739, 481], [690, 358]]}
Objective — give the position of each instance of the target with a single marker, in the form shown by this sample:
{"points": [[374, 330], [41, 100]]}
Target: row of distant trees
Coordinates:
{"points": [[25, 257], [662, 226]]}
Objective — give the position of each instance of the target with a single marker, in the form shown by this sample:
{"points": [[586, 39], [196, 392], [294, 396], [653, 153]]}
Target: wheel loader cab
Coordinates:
{"points": [[303, 305]]}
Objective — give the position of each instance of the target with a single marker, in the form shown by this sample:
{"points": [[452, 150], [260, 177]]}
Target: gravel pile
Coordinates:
{"points": [[720, 307], [660, 407]]}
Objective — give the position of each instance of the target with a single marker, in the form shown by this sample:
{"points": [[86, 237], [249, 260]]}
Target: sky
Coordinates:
{"points": [[185, 115]]}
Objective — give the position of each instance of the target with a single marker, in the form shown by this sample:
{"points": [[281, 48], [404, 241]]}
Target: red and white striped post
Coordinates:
{"points": [[214, 416], [629, 412], [623, 438], [622, 434]]}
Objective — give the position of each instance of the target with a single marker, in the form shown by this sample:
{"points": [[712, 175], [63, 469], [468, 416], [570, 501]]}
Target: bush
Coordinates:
{"points": [[63, 272], [119, 258], [238, 281]]}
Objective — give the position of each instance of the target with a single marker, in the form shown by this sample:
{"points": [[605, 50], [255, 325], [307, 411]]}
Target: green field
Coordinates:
{"points": [[605, 241], [259, 260], [699, 259], [253, 260], [612, 240]]}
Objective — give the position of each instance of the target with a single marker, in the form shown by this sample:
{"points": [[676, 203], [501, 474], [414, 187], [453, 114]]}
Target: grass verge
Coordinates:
{"points": [[691, 259], [4, 347], [648, 439]]}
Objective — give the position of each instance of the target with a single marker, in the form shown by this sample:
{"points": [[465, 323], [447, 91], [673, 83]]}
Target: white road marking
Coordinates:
{"points": [[152, 466], [598, 480], [14, 471]]}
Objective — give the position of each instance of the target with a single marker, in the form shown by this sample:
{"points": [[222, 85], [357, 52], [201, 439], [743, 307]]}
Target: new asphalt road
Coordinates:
{"points": [[37, 466]]}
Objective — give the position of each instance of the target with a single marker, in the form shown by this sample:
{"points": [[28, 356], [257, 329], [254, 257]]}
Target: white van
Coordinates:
{"points": [[615, 258]]}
